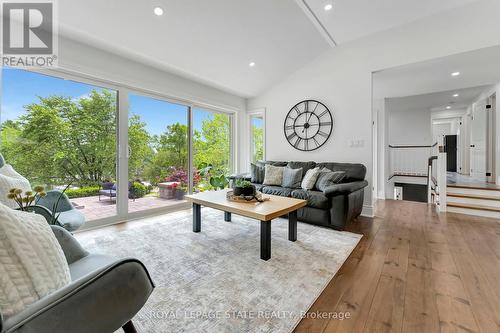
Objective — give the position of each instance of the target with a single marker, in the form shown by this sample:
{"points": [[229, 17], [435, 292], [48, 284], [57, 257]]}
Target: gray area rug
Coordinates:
{"points": [[215, 281]]}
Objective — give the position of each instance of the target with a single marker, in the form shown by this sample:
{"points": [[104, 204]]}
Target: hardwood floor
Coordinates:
{"points": [[415, 271]]}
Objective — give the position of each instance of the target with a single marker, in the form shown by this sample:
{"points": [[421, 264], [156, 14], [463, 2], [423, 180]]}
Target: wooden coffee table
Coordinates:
{"points": [[265, 212]]}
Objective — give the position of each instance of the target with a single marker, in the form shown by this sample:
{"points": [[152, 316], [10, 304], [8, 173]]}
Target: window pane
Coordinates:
{"points": [[211, 147], [158, 162], [257, 137], [59, 133]]}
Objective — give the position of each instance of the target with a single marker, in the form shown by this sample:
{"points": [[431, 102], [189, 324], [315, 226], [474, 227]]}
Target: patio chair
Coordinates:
{"points": [[108, 189]]}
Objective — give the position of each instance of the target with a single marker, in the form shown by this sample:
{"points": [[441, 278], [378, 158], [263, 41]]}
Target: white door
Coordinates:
{"points": [[478, 141]]}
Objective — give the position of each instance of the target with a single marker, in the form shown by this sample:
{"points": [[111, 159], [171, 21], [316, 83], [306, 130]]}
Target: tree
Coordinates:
{"points": [[213, 144], [60, 140], [258, 143]]}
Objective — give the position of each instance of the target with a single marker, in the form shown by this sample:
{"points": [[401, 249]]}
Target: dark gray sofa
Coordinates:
{"points": [[336, 206]]}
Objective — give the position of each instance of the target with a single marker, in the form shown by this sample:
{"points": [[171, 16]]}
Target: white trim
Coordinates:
{"points": [[316, 22], [368, 211]]}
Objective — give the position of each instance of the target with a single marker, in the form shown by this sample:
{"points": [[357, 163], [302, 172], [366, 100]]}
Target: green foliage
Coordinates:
{"points": [[60, 140], [138, 190], [219, 182], [258, 143], [242, 183], [82, 192]]}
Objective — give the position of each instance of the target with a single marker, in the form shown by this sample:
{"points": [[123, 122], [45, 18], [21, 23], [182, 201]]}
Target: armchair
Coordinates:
{"points": [[105, 293], [69, 217]]}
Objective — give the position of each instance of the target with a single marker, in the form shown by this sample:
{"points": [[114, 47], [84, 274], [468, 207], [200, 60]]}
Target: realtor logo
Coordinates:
{"points": [[29, 37]]}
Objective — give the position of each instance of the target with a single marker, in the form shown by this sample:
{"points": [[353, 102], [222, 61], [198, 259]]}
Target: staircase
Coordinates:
{"points": [[474, 200]]}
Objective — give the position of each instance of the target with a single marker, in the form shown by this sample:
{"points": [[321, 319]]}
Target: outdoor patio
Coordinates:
{"points": [[94, 209]]}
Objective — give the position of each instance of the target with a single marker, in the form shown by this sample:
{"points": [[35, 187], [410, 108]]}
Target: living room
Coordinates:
{"points": [[143, 142]]}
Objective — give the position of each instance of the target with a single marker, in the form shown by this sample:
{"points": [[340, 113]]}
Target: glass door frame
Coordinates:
{"points": [[122, 149]]}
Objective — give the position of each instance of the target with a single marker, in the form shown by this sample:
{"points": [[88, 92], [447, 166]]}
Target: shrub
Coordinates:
{"points": [[138, 190], [82, 192]]}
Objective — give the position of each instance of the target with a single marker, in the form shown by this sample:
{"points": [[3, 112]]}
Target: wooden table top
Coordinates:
{"points": [[275, 207]]}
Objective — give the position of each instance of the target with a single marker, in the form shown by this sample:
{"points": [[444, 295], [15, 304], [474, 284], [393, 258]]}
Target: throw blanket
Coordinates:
{"points": [[32, 263], [9, 178]]}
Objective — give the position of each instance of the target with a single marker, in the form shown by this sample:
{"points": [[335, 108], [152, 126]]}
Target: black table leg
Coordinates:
{"points": [[227, 216], [292, 226], [196, 218], [265, 240]]}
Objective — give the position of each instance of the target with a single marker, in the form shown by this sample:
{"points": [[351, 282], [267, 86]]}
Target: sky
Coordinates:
{"points": [[20, 88]]}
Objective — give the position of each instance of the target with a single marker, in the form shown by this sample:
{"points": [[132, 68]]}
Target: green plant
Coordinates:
{"points": [[82, 192], [26, 199], [219, 182], [138, 190], [240, 182]]}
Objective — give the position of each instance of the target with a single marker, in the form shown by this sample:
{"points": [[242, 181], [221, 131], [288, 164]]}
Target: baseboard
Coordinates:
{"points": [[367, 211]]}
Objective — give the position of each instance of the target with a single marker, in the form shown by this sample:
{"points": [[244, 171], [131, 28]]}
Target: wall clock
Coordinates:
{"points": [[308, 125]]}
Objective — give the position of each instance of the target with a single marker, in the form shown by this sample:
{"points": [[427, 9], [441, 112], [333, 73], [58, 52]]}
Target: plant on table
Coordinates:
{"points": [[243, 187]]}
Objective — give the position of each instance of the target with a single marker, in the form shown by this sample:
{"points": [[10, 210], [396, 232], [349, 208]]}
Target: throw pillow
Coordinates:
{"points": [[292, 177], [329, 178], [9, 179], [310, 179], [273, 175], [256, 173], [32, 263]]}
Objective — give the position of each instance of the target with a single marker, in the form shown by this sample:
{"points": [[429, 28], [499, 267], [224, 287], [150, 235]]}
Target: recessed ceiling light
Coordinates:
{"points": [[251, 64], [448, 107], [456, 95], [455, 74], [158, 11], [328, 6]]}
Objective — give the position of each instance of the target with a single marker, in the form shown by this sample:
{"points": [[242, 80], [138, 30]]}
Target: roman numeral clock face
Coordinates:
{"points": [[308, 125]]}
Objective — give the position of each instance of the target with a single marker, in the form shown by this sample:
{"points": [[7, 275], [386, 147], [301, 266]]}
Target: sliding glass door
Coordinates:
{"points": [[212, 149], [61, 134], [158, 159], [113, 152]]}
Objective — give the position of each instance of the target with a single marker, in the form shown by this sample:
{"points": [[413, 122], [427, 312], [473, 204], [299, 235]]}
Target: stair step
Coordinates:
{"points": [[473, 196], [473, 206], [465, 191], [486, 187]]}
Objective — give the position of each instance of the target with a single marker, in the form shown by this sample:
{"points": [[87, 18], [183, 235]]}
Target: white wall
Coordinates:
{"points": [[342, 79], [409, 127]]}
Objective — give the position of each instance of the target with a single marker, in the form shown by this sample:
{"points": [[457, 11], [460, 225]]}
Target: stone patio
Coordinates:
{"points": [[94, 209]]}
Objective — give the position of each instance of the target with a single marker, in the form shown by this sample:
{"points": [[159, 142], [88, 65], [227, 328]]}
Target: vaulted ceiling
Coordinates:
{"points": [[213, 41]]}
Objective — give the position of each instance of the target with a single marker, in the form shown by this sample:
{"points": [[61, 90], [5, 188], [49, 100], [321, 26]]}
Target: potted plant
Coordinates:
{"points": [[243, 187], [181, 191]]}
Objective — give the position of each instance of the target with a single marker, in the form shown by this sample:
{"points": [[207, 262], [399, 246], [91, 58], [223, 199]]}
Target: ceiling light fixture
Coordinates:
{"points": [[252, 64], [456, 95], [448, 107], [455, 74], [158, 11], [328, 7]]}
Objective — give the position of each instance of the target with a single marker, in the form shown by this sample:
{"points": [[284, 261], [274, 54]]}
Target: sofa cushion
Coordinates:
{"points": [[326, 179], [314, 199], [292, 177], [353, 171], [273, 175], [310, 178], [304, 165], [274, 163], [258, 187], [277, 190], [256, 173], [10, 179]]}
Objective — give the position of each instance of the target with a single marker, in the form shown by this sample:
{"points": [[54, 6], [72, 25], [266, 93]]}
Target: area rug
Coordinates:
{"points": [[215, 281]]}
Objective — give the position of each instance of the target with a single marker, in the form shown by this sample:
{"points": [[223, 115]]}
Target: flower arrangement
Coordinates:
{"points": [[26, 199]]}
